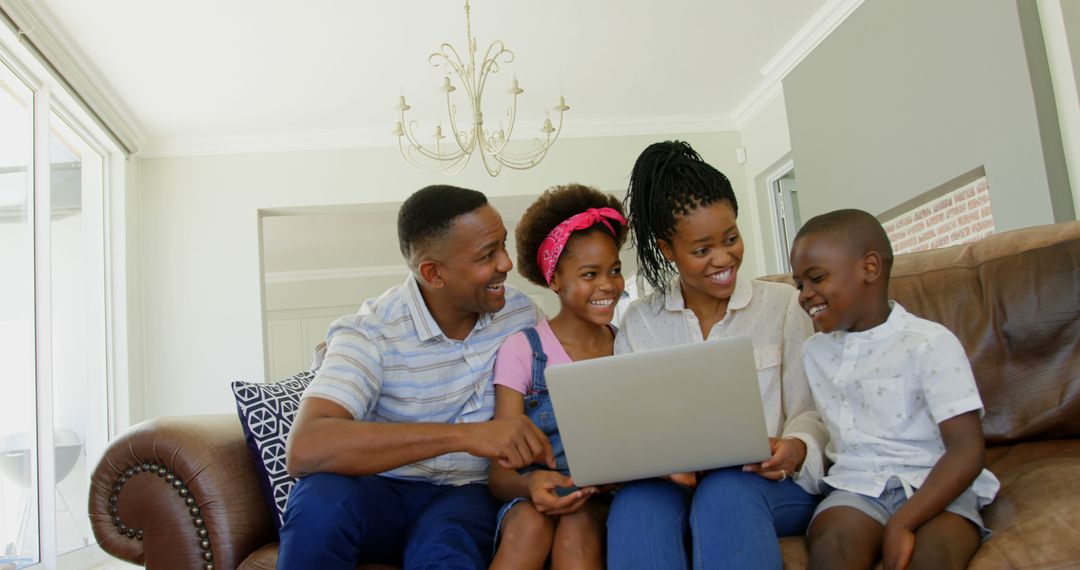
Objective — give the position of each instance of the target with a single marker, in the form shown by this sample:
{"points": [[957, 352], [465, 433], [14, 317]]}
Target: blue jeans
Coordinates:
{"points": [[334, 521], [732, 520]]}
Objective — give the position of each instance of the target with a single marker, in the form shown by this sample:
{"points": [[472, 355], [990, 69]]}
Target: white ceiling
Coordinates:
{"points": [[207, 75]]}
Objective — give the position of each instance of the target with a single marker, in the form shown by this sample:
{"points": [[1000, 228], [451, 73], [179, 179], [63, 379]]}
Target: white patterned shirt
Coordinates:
{"points": [[769, 313], [392, 363], [882, 394]]}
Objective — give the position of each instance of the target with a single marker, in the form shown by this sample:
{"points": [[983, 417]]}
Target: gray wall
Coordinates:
{"points": [[1070, 10], [905, 96]]}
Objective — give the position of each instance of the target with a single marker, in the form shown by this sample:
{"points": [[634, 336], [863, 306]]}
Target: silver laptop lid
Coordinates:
{"points": [[671, 410]]}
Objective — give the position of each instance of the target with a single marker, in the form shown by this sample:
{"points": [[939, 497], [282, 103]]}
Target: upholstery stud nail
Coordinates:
{"points": [[131, 533], [169, 476], [194, 511], [204, 544], [183, 492], [199, 522], [208, 556], [189, 501]]}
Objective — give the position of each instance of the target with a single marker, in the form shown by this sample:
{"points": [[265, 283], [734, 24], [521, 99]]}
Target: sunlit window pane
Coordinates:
{"points": [[79, 414], [18, 453]]}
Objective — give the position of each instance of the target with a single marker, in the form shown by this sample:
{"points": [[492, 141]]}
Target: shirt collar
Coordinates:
{"points": [[426, 326], [895, 322], [740, 297]]}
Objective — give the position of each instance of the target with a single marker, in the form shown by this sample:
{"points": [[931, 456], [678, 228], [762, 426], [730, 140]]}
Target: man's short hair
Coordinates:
{"points": [[429, 213], [857, 231]]}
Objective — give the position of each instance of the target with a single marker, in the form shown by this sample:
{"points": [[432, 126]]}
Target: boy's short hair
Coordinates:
{"points": [[858, 231], [429, 213], [552, 208]]}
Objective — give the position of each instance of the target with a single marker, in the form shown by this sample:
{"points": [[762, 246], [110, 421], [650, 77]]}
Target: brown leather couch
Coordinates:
{"points": [[182, 492]]}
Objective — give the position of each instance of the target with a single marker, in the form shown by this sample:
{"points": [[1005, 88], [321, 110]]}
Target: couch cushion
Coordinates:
{"points": [[266, 412], [1033, 517]]}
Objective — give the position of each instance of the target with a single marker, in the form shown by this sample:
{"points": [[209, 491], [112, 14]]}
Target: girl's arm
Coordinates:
{"points": [[506, 484], [964, 458]]}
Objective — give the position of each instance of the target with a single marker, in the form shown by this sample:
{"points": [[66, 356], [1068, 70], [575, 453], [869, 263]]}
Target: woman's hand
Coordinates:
{"points": [[787, 457], [542, 492], [689, 480]]}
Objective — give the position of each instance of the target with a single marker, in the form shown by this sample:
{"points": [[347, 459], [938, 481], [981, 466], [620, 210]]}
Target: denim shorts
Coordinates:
{"points": [[883, 507]]}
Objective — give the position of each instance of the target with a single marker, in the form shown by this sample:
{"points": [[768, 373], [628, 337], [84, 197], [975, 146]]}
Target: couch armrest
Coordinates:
{"points": [[180, 492]]}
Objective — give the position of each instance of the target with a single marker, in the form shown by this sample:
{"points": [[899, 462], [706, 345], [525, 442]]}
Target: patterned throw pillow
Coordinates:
{"points": [[267, 412]]}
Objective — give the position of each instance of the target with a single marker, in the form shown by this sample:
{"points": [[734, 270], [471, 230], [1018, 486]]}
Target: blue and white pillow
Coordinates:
{"points": [[266, 413]]}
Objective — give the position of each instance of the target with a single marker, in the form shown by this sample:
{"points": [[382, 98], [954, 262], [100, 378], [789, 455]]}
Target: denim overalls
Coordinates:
{"points": [[538, 406], [539, 410]]}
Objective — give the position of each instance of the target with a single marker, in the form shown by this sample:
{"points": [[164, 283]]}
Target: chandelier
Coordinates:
{"points": [[452, 157]]}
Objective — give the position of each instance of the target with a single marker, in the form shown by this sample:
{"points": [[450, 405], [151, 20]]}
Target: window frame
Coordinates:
{"points": [[107, 328]]}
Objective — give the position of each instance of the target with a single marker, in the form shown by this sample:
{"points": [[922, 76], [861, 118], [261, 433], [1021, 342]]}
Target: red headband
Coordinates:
{"points": [[547, 256]]}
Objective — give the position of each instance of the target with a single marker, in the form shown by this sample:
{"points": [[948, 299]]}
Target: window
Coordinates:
{"points": [[54, 175], [784, 197]]}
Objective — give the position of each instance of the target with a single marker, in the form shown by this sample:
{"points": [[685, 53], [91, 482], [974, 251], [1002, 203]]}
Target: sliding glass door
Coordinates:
{"points": [[19, 512], [54, 421]]}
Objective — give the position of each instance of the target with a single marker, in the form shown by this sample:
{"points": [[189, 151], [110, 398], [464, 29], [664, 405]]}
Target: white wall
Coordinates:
{"points": [[201, 311], [768, 144]]}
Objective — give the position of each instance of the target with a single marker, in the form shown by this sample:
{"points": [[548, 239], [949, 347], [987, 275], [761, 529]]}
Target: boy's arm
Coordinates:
{"points": [[964, 458], [803, 420]]}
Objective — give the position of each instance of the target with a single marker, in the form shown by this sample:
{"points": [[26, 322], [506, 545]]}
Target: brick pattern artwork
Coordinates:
{"points": [[961, 216]]}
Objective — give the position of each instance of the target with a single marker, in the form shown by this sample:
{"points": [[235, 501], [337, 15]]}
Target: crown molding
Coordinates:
{"points": [[381, 138], [810, 35], [67, 61], [338, 273]]}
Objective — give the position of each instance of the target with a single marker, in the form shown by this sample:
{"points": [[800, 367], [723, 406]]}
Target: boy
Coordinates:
{"points": [[900, 402]]}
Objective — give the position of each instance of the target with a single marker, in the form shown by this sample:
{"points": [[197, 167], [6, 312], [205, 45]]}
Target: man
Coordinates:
{"points": [[392, 437]]}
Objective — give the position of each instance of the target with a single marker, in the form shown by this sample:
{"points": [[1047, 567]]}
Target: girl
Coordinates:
{"points": [[568, 240], [683, 213]]}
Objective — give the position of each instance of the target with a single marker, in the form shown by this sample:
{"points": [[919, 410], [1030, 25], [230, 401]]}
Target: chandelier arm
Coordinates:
{"points": [[448, 167], [449, 55], [491, 170], [491, 63], [511, 114], [423, 150], [465, 145]]}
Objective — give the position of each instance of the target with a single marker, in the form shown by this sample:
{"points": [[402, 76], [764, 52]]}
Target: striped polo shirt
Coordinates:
{"points": [[392, 363]]}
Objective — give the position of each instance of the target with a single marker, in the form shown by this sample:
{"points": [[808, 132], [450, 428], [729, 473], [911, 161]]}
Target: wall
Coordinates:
{"points": [[201, 307], [905, 96], [768, 145]]}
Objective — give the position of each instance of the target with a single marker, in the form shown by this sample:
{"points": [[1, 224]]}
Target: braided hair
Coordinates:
{"points": [[669, 180]]}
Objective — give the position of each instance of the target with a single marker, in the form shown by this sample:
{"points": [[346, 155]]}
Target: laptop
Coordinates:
{"points": [[671, 410]]}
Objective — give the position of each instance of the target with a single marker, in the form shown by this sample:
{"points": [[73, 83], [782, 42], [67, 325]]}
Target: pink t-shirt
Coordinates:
{"points": [[513, 362]]}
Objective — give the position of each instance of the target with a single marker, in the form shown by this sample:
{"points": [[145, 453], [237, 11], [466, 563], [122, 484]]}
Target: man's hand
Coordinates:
{"points": [[542, 485], [787, 456], [897, 546], [514, 442]]}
